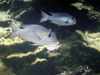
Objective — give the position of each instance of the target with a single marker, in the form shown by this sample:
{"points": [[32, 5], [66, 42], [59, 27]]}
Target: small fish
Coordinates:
{"points": [[37, 34], [60, 19]]}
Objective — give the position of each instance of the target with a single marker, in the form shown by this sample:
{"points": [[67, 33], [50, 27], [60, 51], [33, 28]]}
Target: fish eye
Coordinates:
{"points": [[66, 22], [49, 35]]}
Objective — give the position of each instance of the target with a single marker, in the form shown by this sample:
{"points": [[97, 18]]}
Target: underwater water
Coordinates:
{"points": [[79, 53]]}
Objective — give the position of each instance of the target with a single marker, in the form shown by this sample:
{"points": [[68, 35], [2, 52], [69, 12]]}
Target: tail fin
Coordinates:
{"points": [[44, 17], [14, 30]]}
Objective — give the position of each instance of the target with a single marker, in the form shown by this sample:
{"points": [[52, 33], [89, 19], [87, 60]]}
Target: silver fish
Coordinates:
{"points": [[60, 19], [37, 34]]}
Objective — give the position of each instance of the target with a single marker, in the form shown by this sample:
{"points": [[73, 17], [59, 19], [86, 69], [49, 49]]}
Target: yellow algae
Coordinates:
{"points": [[8, 42], [2, 1], [52, 54], [2, 66], [78, 5], [4, 16], [4, 37], [38, 60], [4, 30], [39, 49], [81, 6], [95, 15], [5, 70], [17, 23], [18, 16], [20, 55], [27, 0], [91, 39], [18, 40]]}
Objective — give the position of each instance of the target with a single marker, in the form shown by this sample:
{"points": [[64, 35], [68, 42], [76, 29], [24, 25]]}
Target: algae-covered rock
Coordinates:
{"points": [[91, 39], [7, 16], [81, 6], [4, 70], [94, 15], [20, 55], [38, 60], [81, 70], [2, 1], [4, 16], [24, 59], [4, 37], [27, 0]]}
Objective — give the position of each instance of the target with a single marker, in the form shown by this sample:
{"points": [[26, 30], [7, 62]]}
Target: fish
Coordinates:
{"points": [[60, 19], [37, 34]]}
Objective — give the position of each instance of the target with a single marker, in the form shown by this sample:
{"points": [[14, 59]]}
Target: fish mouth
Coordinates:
{"points": [[53, 47]]}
